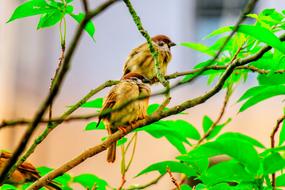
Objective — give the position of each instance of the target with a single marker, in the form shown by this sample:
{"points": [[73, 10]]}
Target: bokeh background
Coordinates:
{"points": [[28, 58]]}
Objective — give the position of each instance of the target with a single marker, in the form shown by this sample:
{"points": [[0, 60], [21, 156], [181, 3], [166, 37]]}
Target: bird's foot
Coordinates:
{"points": [[123, 129]]}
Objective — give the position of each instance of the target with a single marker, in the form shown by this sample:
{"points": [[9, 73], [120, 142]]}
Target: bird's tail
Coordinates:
{"points": [[111, 155]]}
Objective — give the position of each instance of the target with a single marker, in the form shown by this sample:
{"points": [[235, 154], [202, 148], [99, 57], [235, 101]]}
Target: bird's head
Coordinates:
{"points": [[162, 41]]}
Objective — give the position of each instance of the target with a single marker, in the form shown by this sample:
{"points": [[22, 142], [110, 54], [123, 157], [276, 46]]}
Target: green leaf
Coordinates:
{"points": [[208, 122], [219, 31], [260, 93], [153, 107], [185, 187], [90, 181], [92, 126], [238, 149], [263, 35], [97, 103], [176, 132], [89, 28], [200, 165], [273, 163], [199, 47], [282, 134], [175, 167], [242, 137], [8, 187], [122, 141], [280, 180], [63, 179], [227, 171], [50, 19], [31, 8]]}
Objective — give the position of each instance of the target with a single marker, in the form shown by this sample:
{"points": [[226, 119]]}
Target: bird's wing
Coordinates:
{"points": [[109, 102], [136, 56]]}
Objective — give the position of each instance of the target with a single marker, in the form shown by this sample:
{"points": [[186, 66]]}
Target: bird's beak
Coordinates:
{"points": [[172, 44]]}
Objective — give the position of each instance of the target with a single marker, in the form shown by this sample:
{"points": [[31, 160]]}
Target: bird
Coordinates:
{"points": [[130, 87], [26, 172], [140, 59]]}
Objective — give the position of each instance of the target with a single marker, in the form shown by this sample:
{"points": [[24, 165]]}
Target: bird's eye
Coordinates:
{"points": [[160, 43]]}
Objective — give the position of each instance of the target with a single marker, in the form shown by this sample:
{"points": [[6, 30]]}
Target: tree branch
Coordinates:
{"points": [[53, 92]]}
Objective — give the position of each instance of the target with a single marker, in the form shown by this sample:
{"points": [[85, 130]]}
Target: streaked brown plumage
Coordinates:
{"points": [[26, 172], [130, 87], [141, 61]]}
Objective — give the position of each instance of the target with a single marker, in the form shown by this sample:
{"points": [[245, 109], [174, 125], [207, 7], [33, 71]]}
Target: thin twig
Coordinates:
{"points": [[272, 140], [213, 126], [174, 181], [85, 6], [123, 168], [133, 152], [6, 171], [152, 182], [226, 100]]}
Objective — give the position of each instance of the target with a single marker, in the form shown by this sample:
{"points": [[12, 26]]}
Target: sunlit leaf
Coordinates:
{"points": [[273, 163], [31, 8], [260, 93], [91, 181], [227, 171], [97, 103], [89, 28], [8, 187], [280, 180], [153, 107], [199, 47], [50, 19], [207, 123], [263, 35], [219, 31], [63, 179], [176, 132], [175, 167], [92, 126], [242, 137], [237, 149], [185, 187]]}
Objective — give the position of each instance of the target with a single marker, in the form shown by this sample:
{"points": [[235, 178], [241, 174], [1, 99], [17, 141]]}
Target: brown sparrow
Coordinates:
{"points": [[130, 87], [141, 61], [26, 172]]}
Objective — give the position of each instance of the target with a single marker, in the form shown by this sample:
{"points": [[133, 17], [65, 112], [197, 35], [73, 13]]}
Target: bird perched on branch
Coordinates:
{"points": [[26, 172], [140, 59], [130, 87]]}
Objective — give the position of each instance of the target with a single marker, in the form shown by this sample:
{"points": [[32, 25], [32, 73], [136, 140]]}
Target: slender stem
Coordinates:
{"points": [[272, 140], [152, 182], [123, 168], [133, 152], [85, 6], [174, 181]]}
